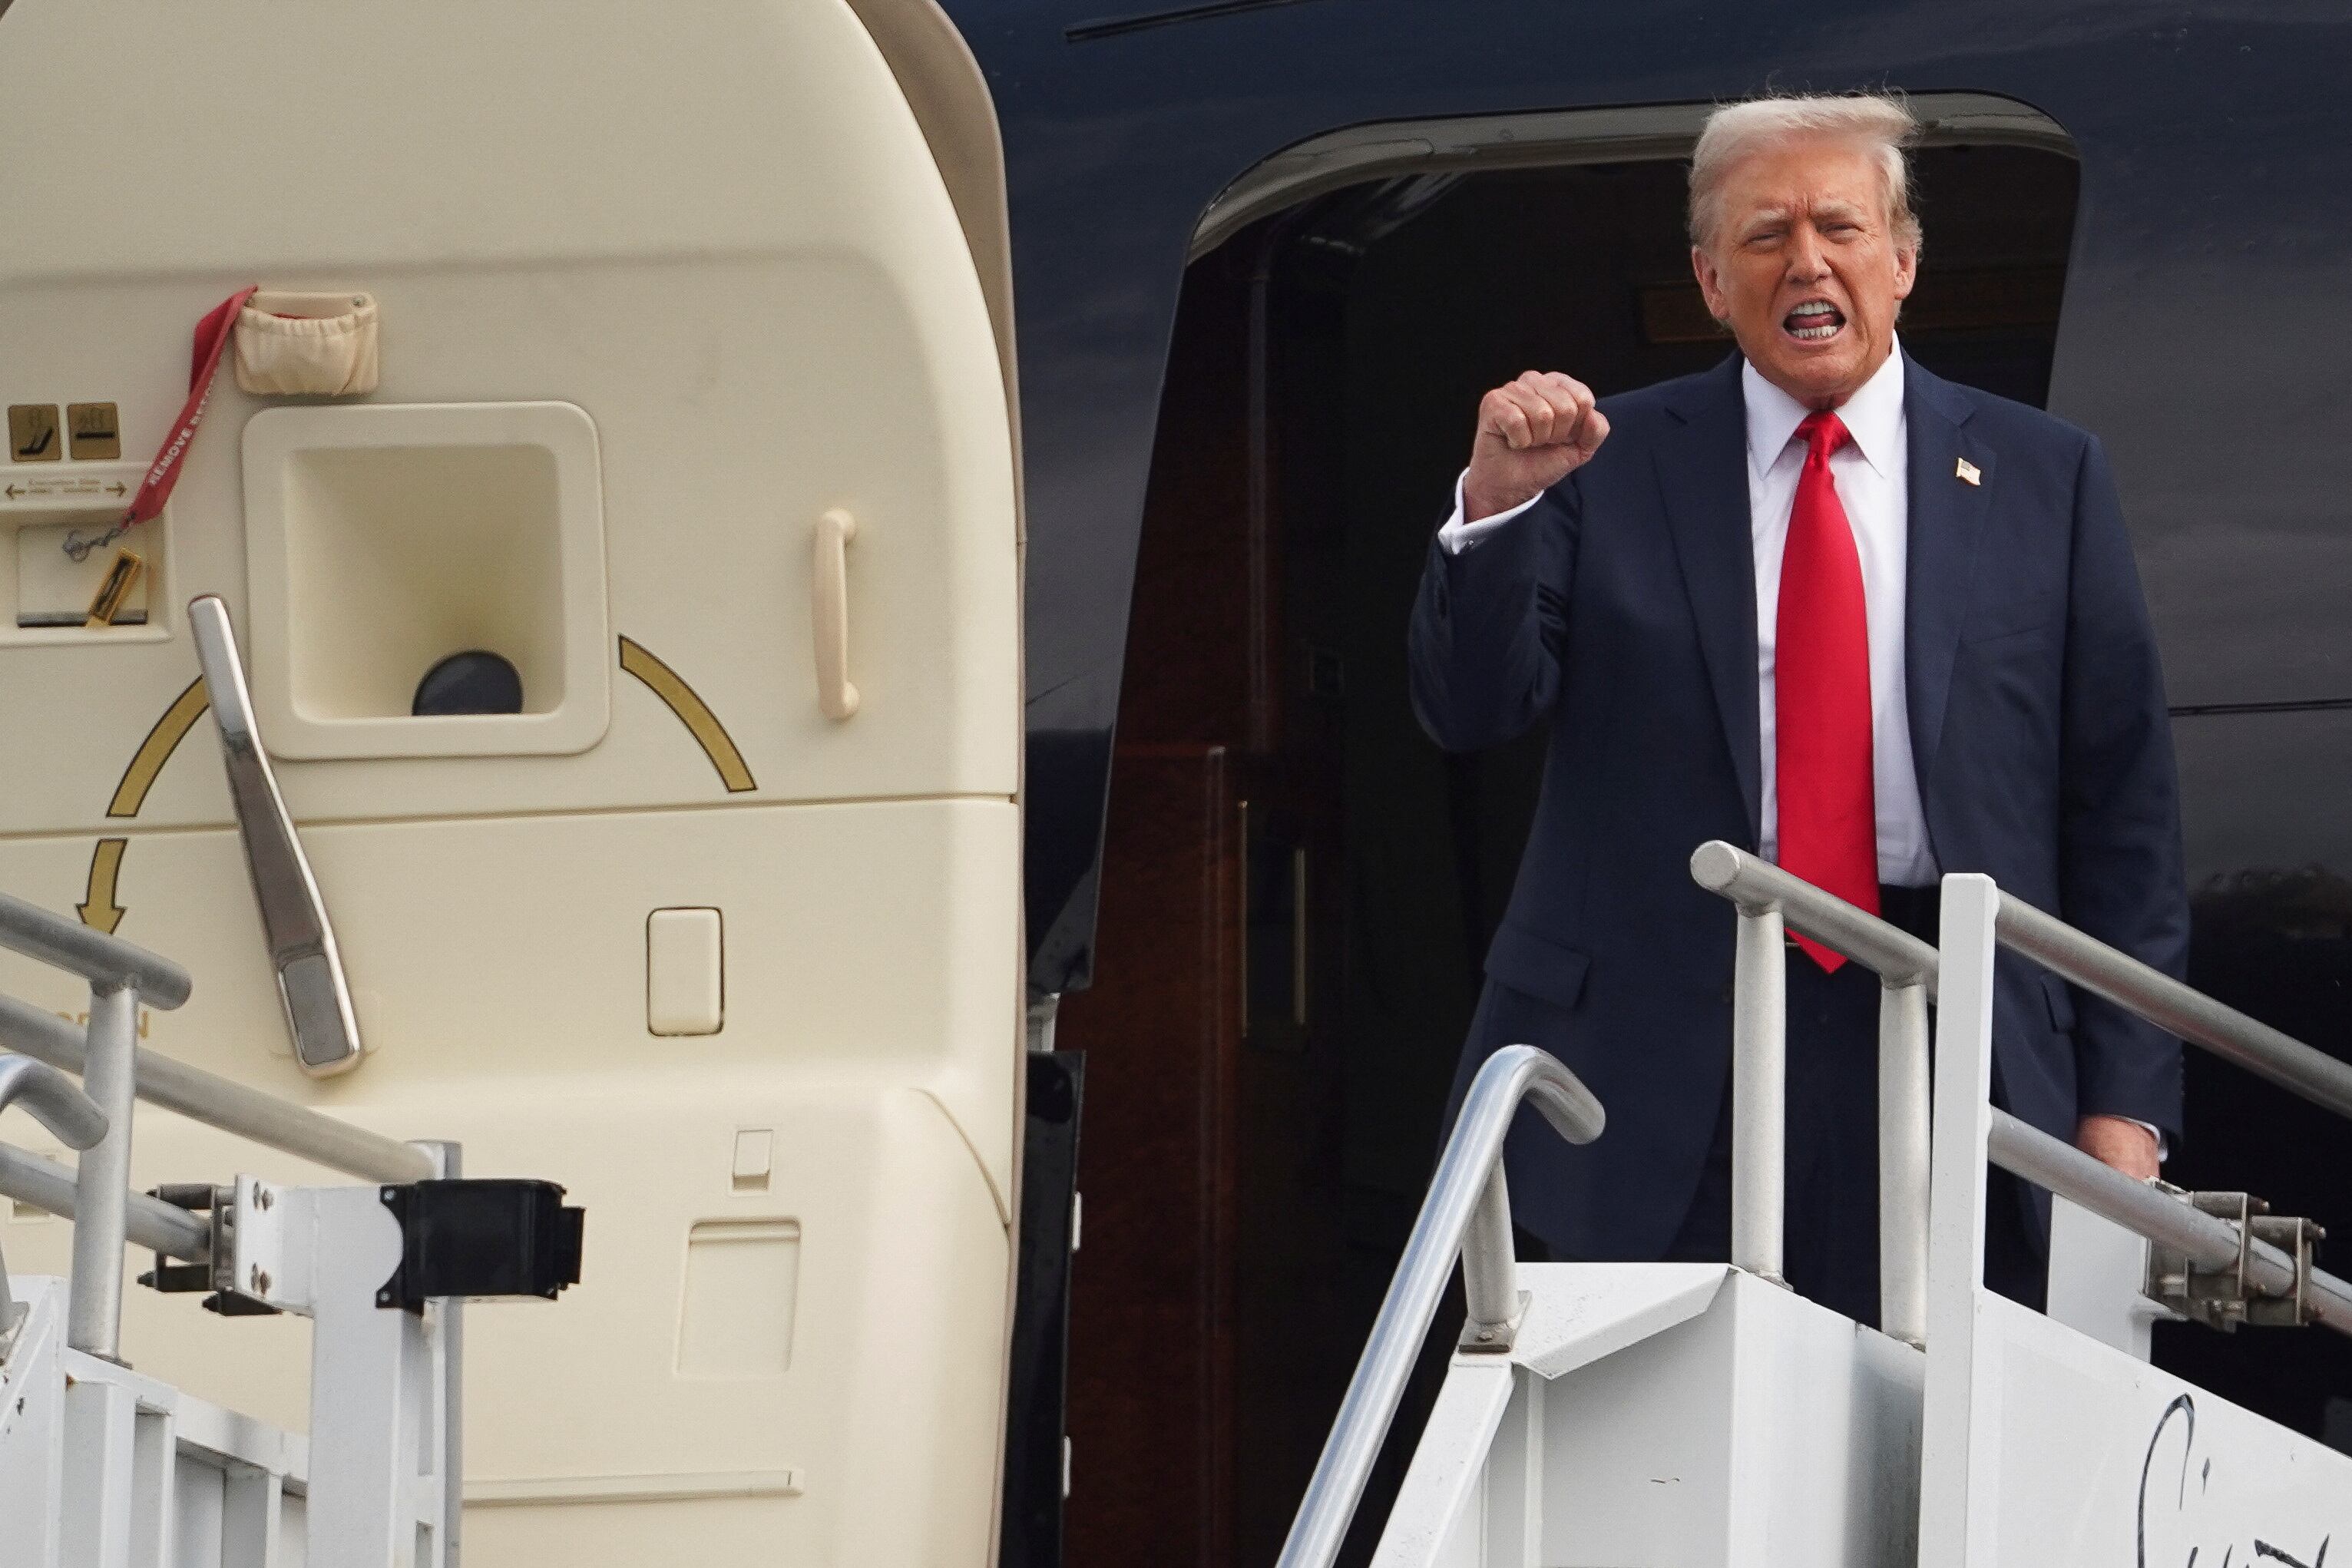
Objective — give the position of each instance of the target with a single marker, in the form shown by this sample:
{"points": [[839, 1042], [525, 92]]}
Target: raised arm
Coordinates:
{"points": [[1488, 625]]}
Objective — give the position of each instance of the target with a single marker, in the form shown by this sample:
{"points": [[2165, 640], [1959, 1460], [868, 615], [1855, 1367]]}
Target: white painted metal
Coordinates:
{"points": [[32, 1427], [1955, 1450], [2102, 1461], [378, 1462], [1449, 1468], [102, 1466], [1760, 1091], [2045, 1446], [2098, 1271], [1698, 1416]]}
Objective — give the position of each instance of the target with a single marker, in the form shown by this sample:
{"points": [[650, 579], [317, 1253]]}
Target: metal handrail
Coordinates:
{"points": [[2149, 993], [56, 1104], [2117, 977], [52, 1099], [120, 977], [1753, 883], [1767, 898], [148, 1222], [2029, 1152], [2210, 1240], [1468, 1213], [104, 960], [116, 1074], [224, 1103]]}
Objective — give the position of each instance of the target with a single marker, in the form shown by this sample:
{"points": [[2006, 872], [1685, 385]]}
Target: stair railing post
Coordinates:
{"points": [[1903, 1163], [1490, 1270], [1760, 1091], [101, 1186]]}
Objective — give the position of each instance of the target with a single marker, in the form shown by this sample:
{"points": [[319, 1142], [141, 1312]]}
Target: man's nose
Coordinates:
{"points": [[1807, 261]]}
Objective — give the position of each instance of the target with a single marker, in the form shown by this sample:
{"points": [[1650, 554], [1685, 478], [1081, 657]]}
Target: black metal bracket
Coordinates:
{"points": [[481, 1239]]}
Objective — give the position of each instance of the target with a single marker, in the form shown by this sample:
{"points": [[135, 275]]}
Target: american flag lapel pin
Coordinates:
{"points": [[1968, 472]]}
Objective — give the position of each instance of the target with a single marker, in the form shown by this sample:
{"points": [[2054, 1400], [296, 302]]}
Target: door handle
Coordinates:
{"points": [[835, 693], [311, 988]]}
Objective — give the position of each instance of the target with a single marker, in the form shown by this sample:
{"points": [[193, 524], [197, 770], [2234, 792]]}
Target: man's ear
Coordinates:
{"points": [[1906, 271], [1710, 284]]}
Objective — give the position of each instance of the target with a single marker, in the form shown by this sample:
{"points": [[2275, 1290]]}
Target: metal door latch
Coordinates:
{"points": [[2225, 1298], [311, 987]]}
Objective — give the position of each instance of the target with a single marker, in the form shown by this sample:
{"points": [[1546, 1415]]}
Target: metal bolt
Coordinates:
{"points": [[260, 1281], [262, 1199]]}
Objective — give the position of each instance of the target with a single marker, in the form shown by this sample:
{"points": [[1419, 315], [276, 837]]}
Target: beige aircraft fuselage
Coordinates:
{"points": [[658, 289]]}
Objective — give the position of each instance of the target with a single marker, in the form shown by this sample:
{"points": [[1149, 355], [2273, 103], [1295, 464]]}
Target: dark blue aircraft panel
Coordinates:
{"points": [[2204, 303]]}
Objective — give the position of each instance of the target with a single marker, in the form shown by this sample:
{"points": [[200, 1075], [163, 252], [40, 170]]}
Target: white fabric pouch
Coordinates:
{"points": [[322, 345]]}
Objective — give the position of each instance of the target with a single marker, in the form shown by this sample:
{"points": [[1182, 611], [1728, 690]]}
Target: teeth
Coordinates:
{"points": [[1812, 321]]}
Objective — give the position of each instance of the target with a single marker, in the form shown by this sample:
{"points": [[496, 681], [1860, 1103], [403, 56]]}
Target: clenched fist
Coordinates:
{"points": [[1532, 432]]}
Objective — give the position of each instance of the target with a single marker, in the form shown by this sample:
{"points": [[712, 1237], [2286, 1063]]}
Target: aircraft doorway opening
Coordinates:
{"points": [[1297, 886]]}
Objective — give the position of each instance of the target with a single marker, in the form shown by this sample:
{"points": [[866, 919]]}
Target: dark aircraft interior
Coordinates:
{"points": [[1297, 886]]}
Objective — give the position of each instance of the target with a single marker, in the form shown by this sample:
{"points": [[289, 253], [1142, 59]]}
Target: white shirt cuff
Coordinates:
{"points": [[2162, 1153], [1458, 536]]}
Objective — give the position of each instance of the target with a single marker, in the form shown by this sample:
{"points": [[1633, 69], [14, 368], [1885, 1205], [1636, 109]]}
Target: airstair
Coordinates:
{"points": [[1689, 1415], [103, 1467]]}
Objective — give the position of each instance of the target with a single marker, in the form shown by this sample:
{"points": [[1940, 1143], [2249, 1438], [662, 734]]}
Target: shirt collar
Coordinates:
{"points": [[1872, 415]]}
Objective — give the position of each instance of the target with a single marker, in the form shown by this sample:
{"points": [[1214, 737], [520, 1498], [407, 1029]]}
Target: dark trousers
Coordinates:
{"points": [[1829, 1237]]}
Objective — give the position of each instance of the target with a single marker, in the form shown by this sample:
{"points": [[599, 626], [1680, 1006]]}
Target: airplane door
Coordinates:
{"points": [[688, 413]]}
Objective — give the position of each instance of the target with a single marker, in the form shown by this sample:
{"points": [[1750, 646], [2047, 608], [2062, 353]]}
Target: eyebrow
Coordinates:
{"points": [[1768, 217]]}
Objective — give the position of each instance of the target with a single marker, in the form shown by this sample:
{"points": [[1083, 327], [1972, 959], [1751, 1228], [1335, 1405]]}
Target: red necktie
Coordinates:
{"points": [[1829, 815]]}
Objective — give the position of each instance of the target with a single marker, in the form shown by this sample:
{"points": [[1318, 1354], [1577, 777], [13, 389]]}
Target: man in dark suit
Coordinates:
{"points": [[1821, 603]]}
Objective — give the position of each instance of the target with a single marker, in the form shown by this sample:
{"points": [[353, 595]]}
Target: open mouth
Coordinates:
{"points": [[1813, 322]]}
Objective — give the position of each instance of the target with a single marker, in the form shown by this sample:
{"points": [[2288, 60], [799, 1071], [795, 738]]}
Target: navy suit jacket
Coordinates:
{"points": [[1621, 608]]}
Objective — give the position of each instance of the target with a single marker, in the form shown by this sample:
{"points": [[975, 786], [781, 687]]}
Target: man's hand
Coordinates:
{"points": [[1532, 432], [2115, 1141]]}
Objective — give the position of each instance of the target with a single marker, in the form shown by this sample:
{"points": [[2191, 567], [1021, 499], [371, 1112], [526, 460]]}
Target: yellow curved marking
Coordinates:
{"points": [[100, 911], [693, 713], [157, 749]]}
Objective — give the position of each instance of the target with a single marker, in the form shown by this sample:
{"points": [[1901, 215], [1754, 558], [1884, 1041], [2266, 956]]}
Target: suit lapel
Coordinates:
{"points": [[1702, 469], [1946, 517]]}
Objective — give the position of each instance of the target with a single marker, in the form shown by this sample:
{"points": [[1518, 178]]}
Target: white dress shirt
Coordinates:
{"points": [[1871, 473]]}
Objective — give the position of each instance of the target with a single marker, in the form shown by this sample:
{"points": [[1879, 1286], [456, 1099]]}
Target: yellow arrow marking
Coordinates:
{"points": [[693, 713], [157, 749], [102, 912]]}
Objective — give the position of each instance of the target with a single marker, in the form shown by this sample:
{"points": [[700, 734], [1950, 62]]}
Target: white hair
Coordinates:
{"points": [[1736, 129]]}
